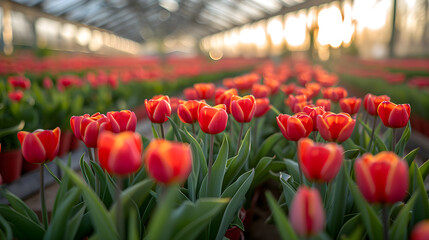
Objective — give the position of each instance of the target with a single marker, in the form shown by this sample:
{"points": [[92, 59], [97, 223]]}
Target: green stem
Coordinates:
{"points": [[162, 130], [301, 177], [231, 124], [393, 139], [52, 174], [91, 157], [193, 130], [255, 134], [97, 180], [372, 133], [315, 136], [209, 173], [119, 213], [42, 197], [385, 216], [239, 138]]}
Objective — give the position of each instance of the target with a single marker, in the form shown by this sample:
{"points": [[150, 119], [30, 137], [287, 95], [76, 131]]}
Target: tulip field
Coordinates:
{"points": [[331, 148]]}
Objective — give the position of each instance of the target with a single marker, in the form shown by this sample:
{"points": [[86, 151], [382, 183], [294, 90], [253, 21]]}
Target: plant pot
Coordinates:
{"points": [[10, 165], [28, 167], [65, 141], [74, 143]]}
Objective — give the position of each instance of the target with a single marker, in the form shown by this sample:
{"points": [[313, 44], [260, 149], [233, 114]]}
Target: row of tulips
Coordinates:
{"points": [[191, 182]]}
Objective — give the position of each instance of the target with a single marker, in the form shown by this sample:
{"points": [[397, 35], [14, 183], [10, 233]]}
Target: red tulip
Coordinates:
{"points": [[16, 96], [371, 103], [205, 90], [334, 93], [75, 122], [335, 127], [292, 100], [313, 112], [318, 161], [219, 91], [243, 108], [382, 178], [213, 120], [122, 121], [295, 127], [273, 84], [225, 98], [421, 231], [314, 89], [188, 111], [262, 106], [190, 93], [91, 127], [304, 78], [168, 162], [394, 116], [158, 108], [120, 154], [288, 89], [326, 103], [40, 146], [19, 82], [47, 83], [350, 105], [260, 91], [174, 104], [307, 216]]}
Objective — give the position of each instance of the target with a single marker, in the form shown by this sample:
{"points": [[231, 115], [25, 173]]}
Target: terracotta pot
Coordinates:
{"points": [[65, 141], [28, 167], [74, 143], [10, 165]]}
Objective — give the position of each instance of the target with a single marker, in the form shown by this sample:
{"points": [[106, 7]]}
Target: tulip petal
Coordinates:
{"points": [[33, 150], [124, 150]]}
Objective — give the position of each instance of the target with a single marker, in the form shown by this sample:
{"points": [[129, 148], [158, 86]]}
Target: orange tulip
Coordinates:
{"points": [[421, 231], [243, 108], [288, 89], [188, 111], [40, 146], [382, 178], [213, 120], [307, 216], [122, 121], [318, 161], [350, 105], [190, 93], [90, 127], [158, 108], [295, 127], [326, 103], [371, 102], [168, 162], [313, 112], [335, 127], [205, 90], [262, 107], [334, 93], [394, 116], [120, 154], [225, 98], [260, 91]]}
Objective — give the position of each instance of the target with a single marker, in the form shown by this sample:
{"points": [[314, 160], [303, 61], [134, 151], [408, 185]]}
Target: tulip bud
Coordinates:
{"points": [[326, 103], [318, 161], [334, 93], [40, 146], [19, 82], [122, 121], [350, 105], [158, 108], [91, 127], [313, 112], [371, 102], [262, 107], [394, 116], [174, 104], [307, 216], [288, 89], [16, 96], [213, 120], [273, 84], [120, 154], [168, 162], [335, 127], [225, 98], [75, 122], [295, 127], [421, 231], [382, 178], [188, 111], [205, 90], [190, 93], [243, 108], [260, 91]]}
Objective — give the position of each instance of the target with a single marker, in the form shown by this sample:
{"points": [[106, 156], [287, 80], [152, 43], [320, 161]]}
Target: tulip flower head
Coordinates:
{"points": [[313, 112], [190, 93], [188, 111], [288, 89], [120, 154], [307, 216], [326, 103], [260, 91], [16, 96], [122, 121], [371, 102], [335, 127], [350, 105], [243, 108], [213, 120], [205, 90], [168, 162], [174, 104], [394, 116], [334, 93], [319, 162], [158, 108], [295, 127], [225, 98], [19, 82], [382, 178], [47, 83], [90, 127], [40, 146], [262, 107], [421, 231]]}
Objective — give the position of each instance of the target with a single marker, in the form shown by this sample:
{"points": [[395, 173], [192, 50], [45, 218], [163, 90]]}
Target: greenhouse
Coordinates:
{"points": [[214, 119]]}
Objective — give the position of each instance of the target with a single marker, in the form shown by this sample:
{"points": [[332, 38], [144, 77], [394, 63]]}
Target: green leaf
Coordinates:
{"points": [[103, 224], [175, 129], [373, 225], [192, 218], [351, 149], [104, 183], [379, 143], [424, 169], [400, 146], [411, 156], [288, 190], [133, 233], [155, 134], [23, 227], [134, 194], [218, 170], [337, 205], [199, 164], [5, 229], [58, 225], [292, 169], [398, 230], [237, 193], [352, 229], [169, 135], [266, 147], [283, 225], [87, 173], [421, 207], [12, 130], [262, 170], [237, 162], [74, 223], [161, 218], [18, 205]]}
